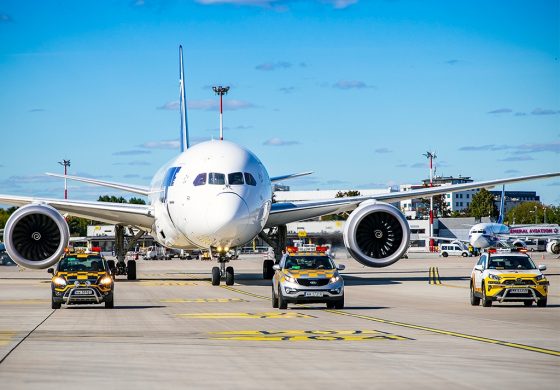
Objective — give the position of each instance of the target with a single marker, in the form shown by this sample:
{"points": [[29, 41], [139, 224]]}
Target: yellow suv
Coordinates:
{"points": [[508, 277], [82, 278]]}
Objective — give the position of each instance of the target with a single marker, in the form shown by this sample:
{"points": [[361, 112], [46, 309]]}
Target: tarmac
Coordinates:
{"points": [[409, 325]]}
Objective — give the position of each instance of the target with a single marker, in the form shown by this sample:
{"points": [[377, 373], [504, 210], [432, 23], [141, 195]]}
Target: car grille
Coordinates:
{"points": [[519, 282], [313, 282]]}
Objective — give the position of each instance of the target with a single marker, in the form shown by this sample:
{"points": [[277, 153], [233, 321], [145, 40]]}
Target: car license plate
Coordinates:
{"points": [[83, 292], [519, 291], [313, 294]]}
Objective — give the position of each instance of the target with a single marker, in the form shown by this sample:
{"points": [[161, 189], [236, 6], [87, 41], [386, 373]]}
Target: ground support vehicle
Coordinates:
{"points": [[508, 276], [453, 250], [82, 278], [307, 277]]}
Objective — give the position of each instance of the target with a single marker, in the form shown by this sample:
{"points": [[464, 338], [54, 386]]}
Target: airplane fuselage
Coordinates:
{"points": [[215, 194], [485, 235]]}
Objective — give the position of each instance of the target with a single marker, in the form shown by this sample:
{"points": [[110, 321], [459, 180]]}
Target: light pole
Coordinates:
{"points": [[536, 220], [544, 211], [219, 90], [65, 164], [431, 156]]}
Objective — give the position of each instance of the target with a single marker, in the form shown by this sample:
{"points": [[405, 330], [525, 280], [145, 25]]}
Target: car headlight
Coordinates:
{"points": [[540, 277], [106, 281], [334, 279], [59, 282], [494, 277], [290, 279]]}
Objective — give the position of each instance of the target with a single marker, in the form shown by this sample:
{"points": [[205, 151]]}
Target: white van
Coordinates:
{"points": [[453, 250]]}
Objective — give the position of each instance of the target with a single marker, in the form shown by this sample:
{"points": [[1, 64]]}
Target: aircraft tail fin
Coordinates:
{"points": [[502, 203], [183, 104]]}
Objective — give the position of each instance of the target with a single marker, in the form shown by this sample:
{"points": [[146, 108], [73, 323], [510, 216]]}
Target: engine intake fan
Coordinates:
{"points": [[376, 234], [36, 235]]}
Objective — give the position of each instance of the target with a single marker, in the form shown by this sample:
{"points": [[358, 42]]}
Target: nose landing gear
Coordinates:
{"points": [[223, 271]]}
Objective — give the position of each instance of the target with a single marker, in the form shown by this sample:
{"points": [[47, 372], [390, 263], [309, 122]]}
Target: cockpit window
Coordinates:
{"points": [[235, 178], [200, 179], [249, 179], [216, 178]]}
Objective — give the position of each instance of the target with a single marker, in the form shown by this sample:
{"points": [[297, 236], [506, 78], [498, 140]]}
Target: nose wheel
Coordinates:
{"points": [[223, 271]]}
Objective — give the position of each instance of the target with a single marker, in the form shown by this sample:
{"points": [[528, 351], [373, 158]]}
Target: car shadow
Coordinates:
{"points": [[118, 307]]}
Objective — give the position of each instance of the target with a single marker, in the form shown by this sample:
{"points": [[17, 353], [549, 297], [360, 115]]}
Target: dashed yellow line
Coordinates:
{"points": [[449, 333], [245, 292], [204, 300], [275, 314], [166, 283], [6, 337]]}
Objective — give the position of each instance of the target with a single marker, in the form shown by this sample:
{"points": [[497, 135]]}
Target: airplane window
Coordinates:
{"points": [[200, 179], [249, 179], [216, 178], [235, 178]]}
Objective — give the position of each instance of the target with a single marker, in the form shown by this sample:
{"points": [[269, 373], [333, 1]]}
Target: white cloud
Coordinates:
{"points": [[279, 142]]}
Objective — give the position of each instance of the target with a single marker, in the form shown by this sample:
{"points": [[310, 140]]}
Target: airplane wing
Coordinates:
{"points": [[449, 239], [114, 213], [291, 176], [119, 186], [282, 213]]}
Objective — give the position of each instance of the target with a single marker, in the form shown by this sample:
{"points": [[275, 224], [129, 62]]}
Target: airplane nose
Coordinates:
{"points": [[227, 215]]}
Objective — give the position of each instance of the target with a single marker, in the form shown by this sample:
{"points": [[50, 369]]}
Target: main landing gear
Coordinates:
{"points": [[120, 267], [222, 270], [276, 238]]}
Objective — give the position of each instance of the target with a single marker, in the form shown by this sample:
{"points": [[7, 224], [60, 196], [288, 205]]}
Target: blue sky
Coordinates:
{"points": [[355, 90]]}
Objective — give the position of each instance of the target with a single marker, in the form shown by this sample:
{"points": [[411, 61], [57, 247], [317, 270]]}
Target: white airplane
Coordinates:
{"points": [[215, 195], [492, 234]]}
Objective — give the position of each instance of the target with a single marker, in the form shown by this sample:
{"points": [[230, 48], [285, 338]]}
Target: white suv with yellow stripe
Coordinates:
{"points": [[307, 277], [508, 277]]}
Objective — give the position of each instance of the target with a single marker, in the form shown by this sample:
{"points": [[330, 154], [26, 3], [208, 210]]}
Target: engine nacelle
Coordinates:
{"points": [[519, 244], [376, 234], [553, 247], [36, 235]]}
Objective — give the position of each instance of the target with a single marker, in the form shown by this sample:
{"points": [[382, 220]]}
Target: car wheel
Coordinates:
{"points": [[55, 305], [229, 276], [215, 276], [282, 304], [445, 254], [131, 270], [274, 299], [485, 301], [339, 303], [268, 272], [541, 302], [110, 303], [475, 301], [464, 254], [528, 303], [330, 305]]}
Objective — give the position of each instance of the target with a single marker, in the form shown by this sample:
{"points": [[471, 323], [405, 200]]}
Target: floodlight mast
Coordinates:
{"points": [[431, 156], [219, 90], [65, 164]]}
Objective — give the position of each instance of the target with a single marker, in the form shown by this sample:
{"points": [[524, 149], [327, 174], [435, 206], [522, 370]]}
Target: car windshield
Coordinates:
{"points": [[308, 262], [511, 262], [75, 264]]}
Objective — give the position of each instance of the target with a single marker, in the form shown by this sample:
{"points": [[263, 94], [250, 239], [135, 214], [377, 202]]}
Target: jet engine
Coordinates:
{"points": [[553, 247], [519, 244], [376, 234], [36, 235]]}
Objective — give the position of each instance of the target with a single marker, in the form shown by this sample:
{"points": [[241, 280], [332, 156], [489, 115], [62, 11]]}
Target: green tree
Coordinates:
{"points": [[524, 213], [440, 206], [5, 214], [482, 205], [341, 216], [136, 201]]}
